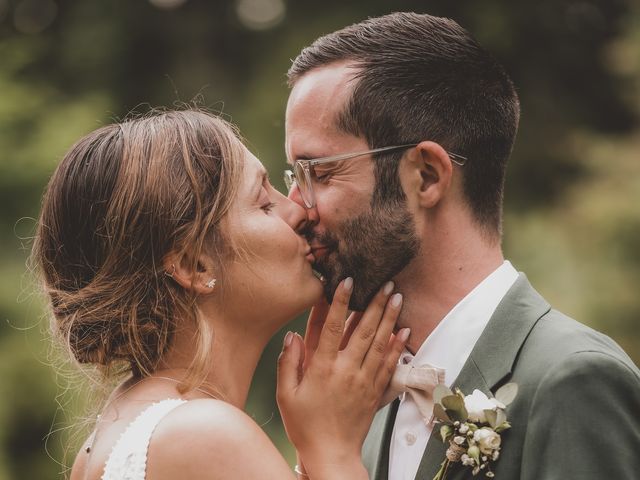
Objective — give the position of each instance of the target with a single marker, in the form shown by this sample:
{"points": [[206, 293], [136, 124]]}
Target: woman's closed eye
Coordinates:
{"points": [[265, 202], [268, 207]]}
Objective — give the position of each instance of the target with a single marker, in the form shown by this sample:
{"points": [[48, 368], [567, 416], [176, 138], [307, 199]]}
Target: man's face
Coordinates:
{"points": [[348, 235]]}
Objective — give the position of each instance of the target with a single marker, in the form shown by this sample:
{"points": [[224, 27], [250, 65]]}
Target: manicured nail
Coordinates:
{"points": [[403, 334], [388, 288], [348, 284], [396, 300], [287, 339]]}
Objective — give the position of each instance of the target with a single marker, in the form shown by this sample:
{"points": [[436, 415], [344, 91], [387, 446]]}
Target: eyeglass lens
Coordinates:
{"points": [[302, 180]]}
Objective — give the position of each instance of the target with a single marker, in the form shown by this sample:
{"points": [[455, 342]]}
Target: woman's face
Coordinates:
{"points": [[274, 281]]}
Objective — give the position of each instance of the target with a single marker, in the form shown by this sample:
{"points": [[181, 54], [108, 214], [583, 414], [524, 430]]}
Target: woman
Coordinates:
{"points": [[168, 257]]}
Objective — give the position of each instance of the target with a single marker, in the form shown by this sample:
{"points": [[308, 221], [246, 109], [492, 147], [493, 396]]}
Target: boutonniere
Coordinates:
{"points": [[471, 425]]}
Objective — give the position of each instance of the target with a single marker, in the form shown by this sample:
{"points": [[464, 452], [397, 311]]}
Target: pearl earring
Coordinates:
{"points": [[211, 283]]}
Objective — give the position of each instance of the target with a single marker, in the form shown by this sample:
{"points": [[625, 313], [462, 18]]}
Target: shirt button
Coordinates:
{"points": [[410, 438]]}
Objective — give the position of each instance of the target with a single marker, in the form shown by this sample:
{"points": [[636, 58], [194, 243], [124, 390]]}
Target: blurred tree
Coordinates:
{"points": [[68, 67]]}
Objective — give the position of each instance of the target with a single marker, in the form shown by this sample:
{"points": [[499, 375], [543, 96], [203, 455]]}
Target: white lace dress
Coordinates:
{"points": [[128, 458]]}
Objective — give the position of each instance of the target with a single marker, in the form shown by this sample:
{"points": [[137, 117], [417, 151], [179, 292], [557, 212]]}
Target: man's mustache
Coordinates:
{"points": [[316, 240]]}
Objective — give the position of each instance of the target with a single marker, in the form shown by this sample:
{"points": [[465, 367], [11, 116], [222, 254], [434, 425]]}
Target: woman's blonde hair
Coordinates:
{"points": [[122, 199]]}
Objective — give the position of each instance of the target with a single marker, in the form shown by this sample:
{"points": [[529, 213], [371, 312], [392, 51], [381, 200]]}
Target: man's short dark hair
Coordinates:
{"points": [[421, 77]]}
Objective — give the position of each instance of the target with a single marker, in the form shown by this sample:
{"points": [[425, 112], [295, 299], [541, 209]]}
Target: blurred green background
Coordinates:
{"points": [[66, 67]]}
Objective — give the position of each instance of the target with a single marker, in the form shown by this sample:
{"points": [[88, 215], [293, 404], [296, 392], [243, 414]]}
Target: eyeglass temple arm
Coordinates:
{"points": [[346, 156], [455, 158]]}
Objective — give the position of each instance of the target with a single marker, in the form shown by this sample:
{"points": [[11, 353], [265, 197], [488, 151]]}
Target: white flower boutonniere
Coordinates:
{"points": [[471, 425]]}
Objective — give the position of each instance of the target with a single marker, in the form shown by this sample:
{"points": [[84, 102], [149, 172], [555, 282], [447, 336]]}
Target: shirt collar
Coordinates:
{"points": [[451, 342]]}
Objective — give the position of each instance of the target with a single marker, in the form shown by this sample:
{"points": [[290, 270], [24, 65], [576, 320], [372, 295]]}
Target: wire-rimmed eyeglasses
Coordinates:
{"points": [[301, 174]]}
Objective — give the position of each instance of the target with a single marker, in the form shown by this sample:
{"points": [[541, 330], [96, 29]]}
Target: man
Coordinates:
{"points": [[425, 209]]}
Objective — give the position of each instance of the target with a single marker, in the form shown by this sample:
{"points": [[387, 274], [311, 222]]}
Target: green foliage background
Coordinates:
{"points": [[572, 218]]}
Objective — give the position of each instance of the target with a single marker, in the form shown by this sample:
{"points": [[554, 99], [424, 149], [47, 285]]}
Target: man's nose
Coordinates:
{"points": [[312, 213], [296, 216]]}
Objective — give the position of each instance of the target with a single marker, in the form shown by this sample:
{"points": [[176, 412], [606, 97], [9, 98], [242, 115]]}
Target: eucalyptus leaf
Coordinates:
{"points": [[440, 392], [492, 418], [452, 402], [502, 427], [445, 432], [474, 452], [507, 393], [440, 414], [456, 415], [455, 408], [501, 417]]}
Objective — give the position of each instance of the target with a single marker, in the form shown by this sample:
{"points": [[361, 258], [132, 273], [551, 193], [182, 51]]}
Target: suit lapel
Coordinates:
{"points": [[375, 451], [493, 356]]}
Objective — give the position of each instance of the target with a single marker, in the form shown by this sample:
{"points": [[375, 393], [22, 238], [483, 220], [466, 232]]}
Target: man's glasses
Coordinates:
{"points": [[302, 169]]}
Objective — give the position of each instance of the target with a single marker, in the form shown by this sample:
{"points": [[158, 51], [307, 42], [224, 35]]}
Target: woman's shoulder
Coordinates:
{"points": [[209, 419], [207, 422], [210, 439]]}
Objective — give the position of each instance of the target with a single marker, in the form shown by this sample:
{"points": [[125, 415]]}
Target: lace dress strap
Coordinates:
{"points": [[128, 458]]}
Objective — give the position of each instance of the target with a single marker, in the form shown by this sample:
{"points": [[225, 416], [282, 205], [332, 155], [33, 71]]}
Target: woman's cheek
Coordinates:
{"points": [[272, 240]]}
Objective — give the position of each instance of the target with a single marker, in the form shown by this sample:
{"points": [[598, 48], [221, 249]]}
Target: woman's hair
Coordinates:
{"points": [[121, 200]]}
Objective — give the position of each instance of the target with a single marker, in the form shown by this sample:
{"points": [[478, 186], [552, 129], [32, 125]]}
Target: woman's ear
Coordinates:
{"points": [[431, 171], [200, 279]]}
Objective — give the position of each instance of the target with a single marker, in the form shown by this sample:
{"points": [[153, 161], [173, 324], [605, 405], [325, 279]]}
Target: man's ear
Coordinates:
{"points": [[430, 173], [200, 279]]}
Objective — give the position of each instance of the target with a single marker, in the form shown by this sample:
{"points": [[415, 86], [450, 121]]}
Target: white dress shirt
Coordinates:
{"points": [[448, 347]]}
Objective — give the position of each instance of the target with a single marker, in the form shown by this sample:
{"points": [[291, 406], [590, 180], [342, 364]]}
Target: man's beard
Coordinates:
{"points": [[372, 248]]}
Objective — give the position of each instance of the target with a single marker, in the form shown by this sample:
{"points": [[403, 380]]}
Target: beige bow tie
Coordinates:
{"points": [[418, 382]]}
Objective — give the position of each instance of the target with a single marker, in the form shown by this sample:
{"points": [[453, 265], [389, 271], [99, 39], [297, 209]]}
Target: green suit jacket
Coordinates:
{"points": [[577, 412]]}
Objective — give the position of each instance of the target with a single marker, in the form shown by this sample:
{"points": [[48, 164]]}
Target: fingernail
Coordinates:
{"points": [[403, 334], [348, 284], [388, 288], [396, 300], [287, 339]]}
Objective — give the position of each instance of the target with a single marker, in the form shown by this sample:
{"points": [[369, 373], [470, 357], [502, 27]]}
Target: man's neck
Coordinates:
{"points": [[432, 288]]}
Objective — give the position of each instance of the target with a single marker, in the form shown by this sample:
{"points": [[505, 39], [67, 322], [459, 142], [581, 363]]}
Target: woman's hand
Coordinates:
{"points": [[329, 398]]}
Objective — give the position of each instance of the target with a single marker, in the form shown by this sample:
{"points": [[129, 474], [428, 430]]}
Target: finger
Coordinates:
{"points": [[303, 358], [360, 341], [333, 328], [288, 368], [314, 325], [350, 327], [396, 346], [378, 347]]}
